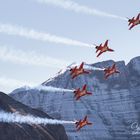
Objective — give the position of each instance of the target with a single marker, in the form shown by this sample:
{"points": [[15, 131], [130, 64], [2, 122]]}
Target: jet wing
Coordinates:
{"points": [[138, 17], [81, 66], [106, 43], [85, 118], [114, 66], [74, 76], [78, 98], [111, 50], [79, 128], [84, 87], [131, 27], [99, 54], [107, 76]]}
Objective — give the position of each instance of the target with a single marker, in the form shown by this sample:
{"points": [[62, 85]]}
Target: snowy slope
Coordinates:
{"points": [[113, 107]]}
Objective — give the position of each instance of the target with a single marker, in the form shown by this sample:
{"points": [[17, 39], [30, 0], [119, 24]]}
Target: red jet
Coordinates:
{"points": [[110, 71], [79, 93], [78, 71], [134, 21], [103, 48], [82, 123]]}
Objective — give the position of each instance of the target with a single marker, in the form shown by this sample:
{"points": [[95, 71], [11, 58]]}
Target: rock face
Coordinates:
{"points": [[113, 107], [15, 131]]}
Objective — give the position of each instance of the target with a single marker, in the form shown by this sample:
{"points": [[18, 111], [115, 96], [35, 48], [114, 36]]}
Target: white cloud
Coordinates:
{"points": [[41, 36], [78, 8], [9, 84], [29, 58]]}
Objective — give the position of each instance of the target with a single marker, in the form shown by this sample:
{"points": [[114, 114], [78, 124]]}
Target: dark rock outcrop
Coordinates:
{"points": [[15, 131]]}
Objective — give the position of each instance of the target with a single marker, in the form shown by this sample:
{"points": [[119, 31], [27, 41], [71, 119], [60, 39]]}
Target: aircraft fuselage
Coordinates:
{"points": [[82, 124], [104, 49], [111, 71], [78, 72], [82, 93], [137, 22]]}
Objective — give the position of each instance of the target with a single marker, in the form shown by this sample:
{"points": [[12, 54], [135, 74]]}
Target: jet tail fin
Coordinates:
{"points": [[89, 93], [86, 72], [117, 71], [85, 118], [110, 50], [89, 123], [84, 87], [81, 66]]}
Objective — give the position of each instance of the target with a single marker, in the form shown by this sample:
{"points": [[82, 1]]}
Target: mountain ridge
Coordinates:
{"points": [[113, 107]]}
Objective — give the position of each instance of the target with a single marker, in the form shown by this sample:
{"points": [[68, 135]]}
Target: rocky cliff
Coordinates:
{"points": [[113, 107], [16, 131]]}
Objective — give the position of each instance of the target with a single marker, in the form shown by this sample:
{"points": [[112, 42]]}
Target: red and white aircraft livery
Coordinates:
{"points": [[79, 93], [78, 71], [110, 71], [82, 123], [134, 21], [103, 48]]}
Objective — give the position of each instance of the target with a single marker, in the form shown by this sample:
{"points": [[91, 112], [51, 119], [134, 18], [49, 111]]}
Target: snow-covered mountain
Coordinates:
{"points": [[113, 107]]}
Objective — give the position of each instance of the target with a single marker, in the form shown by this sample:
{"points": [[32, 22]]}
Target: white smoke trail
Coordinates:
{"points": [[92, 68], [86, 66], [41, 36], [29, 119], [73, 6], [29, 58], [52, 89]]}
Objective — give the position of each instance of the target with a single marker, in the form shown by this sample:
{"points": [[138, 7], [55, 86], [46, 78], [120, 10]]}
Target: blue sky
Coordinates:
{"points": [[58, 21]]}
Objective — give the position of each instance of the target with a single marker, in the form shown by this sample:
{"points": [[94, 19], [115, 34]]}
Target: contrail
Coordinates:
{"points": [[86, 66], [41, 36], [29, 58], [92, 68], [29, 119], [78, 8], [50, 89]]}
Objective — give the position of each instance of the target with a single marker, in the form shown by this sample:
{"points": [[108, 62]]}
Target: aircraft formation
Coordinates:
{"points": [[77, 71], [108, 72]]}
